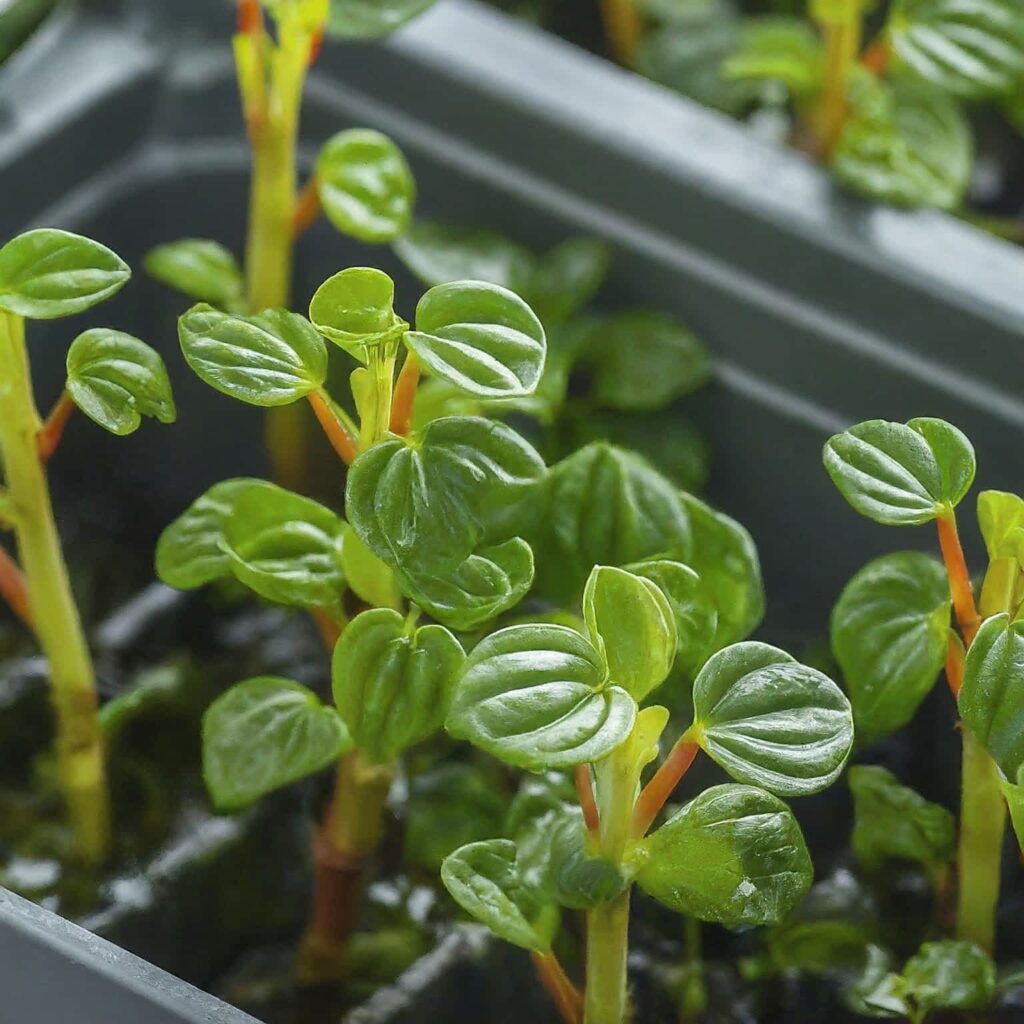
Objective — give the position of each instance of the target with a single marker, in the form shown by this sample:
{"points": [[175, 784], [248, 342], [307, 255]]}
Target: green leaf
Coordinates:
{"points": [[568, 276], [973, 50], [285, 547], [913, 148], [1014, 794], [577, 879], [46, 273], [190, 552], [393, 682], [1001, 521], [355, 310], [271, 359], [901, 474], [770, 721], [263, 734], [366, 188], [889, 634], [816, 947], [428, 505], [367, 576], [480, 337], [372, 19], [991, 698], [484, 880], [644, 360], [950, 975], [777, 48], [893, 822], [630, 622], [879, 991], [200, 268], [116, 379], [488, 583], [602, 506], [538, 697], [734, 855], [439, 253]]}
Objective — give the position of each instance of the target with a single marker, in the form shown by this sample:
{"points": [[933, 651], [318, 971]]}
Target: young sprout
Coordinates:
{"points": [[549, 697], [115, 380]]}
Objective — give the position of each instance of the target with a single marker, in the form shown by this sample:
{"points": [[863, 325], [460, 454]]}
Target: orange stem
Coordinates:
{"points": [[876, 57], [14, 588], [316, 44], [960, 588], [250, 17], [337, 433], [585, 792], [664, 781], [563, 992], [954, 664], [307, 208], [50, 434], [405, 395], [330, 628]]}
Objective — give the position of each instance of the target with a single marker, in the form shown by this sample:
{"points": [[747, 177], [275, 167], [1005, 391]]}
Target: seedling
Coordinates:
{"points": [[892, 635], [548, 697], [361, 180], [115, 380]]}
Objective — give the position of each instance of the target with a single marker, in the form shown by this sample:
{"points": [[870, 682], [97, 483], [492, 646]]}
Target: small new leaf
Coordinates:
{"points": [[200, 268], [372, 19], [1001, 521], [355, 309]]}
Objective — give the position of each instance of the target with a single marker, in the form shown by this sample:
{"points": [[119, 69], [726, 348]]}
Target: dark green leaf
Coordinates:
{"points": [[576, 879], [734, 855], [950, 975], [365, 185], [889, 635], [263, 734], [817, 947], [770, 721], [879, 991], [901, 474], [355, 309], [538, 697], [271, 359], [46, 273], [568, 276], [200, 268], [116, 379], [372, 19]]}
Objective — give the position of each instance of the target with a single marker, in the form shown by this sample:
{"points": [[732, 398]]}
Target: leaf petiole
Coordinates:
{"points": [[585, 792], [563, 992], [663, 783], [959, 577], [405, 395], [14, 588], [331, 419], [307, 207], [49, 437]]}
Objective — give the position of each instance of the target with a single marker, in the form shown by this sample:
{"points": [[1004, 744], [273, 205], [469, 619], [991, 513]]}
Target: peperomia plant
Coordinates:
{"points": [[360, 181], [115, 379], [432, 527], [892, 634], [549, 697]]}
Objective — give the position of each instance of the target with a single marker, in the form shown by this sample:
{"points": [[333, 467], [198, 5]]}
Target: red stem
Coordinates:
{"points": [[337, 433], [14, 588], [585, 792], [250, 17], [405, 395], [876, 57], [49, 437], [663, 783], [316, 44], [960, 588], [563, 992]]}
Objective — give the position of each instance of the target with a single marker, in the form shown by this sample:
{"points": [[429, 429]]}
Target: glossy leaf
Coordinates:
{"points": [[372, 19], [484, 880], [892, 821], [263, 734], [366, 188], [889, 635], [770, 721], [576, 878], [991, 698], [46, 273], [630, 622], [734, 855], [1001, 521], [879, 991], [973, 50], [1014, 794], [429, 505], [901, 474], [538, 697], [367, 576], [271, 359], [355, 310], [200, 268], [568, 276], [116, 379], [393, 682], [190, 552], [776, 48], [480, 337], [950, 975]]}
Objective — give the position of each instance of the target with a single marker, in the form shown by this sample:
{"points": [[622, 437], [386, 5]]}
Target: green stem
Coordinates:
{"points": [[80, 760], [843, 39], [376, 421], [607, 995], [693, 996]]}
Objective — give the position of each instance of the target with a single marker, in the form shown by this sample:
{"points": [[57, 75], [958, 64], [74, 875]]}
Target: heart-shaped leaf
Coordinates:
{"points": [[285, 547], [355, 309], [271, 359], [973, 50], [428, 505], [190, 552], [200, 268], [393, 682], [950, 975], [567, 277], [889, 635], [892, 821], [365, 185], [480, 337], [367, 576], [901, 474], [116, 379], [483, 878], [572, 874], [1001, 521], [538, 697], [372, 19], [991, 699], [263, 734], [734, 855], [770, 721], [46, 273], [630, 622]]}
